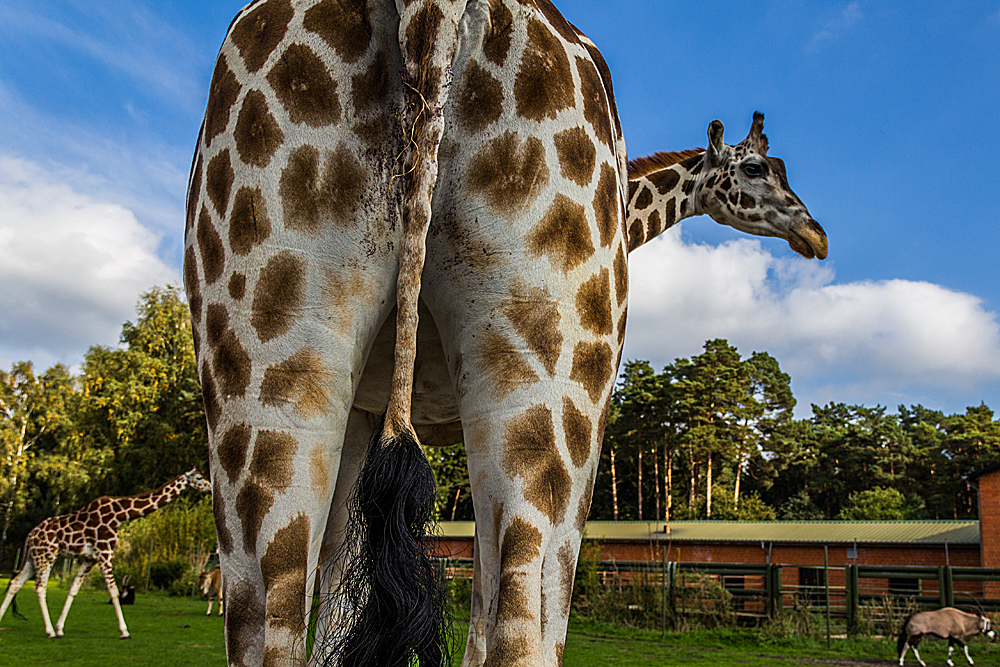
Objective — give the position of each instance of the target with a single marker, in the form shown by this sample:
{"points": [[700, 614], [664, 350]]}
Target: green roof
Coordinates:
{"points": [[819, 532]]}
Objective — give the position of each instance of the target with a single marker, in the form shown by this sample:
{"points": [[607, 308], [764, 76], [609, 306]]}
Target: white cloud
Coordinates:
{"points": [[856, 342], [72, 266], [836, 25]]}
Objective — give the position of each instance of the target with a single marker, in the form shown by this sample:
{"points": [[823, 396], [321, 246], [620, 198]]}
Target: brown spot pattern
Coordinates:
{"points": [[237, 286], [249, 223], [544, 85], [309, 198], [219, 181], [636, 236], [644, 199], [222, 95], [496, 42], [302, 379], [535, 316], [257, 134], [304, 87], [232, 451], [595, 100], [583, 509], [213, 254], [194, 191], [420, 45], [577, 427], [283, 568], [563, 235], [557, 21], [221, 528], [505, 365], [606, 205], [593, 303], [508, 651], [343, 24], [480, 101], [259, 31], [371, 88], [253, 502], [653, 225], [577, 155], [567, 568], [192, 283], [665, 180], [592, 367], [232, 365], [244, 620], [605, 74], [209, 397], [509, 174], [272, 461], [278, 296], [531, 453]]}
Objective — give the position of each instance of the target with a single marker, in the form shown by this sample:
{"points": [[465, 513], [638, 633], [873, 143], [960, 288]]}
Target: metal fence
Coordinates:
{"points": [[846, 597]]}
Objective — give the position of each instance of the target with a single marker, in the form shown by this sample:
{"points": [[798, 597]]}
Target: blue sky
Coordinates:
{"points": [[885, 113]]}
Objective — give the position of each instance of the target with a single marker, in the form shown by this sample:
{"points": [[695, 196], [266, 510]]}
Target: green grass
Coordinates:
{"points": [[174, 631], [165, 630]]}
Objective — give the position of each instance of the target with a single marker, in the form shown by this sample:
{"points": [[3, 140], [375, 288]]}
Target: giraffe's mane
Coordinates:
{"points": [[642, 166]]}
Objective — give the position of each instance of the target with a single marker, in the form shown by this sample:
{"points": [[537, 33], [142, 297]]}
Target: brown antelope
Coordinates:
{"points": [[210, 584], [948, 623]]}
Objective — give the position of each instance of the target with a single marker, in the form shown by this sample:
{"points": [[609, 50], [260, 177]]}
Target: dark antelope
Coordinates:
{"points": [[948, 623]]}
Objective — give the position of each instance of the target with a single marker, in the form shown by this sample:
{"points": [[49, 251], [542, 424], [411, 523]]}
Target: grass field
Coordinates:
{"points": [[175, 632]]}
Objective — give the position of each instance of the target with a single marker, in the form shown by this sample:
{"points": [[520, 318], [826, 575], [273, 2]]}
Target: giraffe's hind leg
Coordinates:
{"points": [[15, 585], [104, 562], [334, 553], [43, 565], [81, 575]]}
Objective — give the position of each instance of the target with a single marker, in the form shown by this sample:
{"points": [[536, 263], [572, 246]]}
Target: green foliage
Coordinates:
{"points": [[800, 508], [454, 493], [881, 504], [173, 542]]}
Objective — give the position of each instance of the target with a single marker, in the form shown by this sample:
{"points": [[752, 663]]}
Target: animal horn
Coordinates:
{"points": [[757, 138], [980, 610]]}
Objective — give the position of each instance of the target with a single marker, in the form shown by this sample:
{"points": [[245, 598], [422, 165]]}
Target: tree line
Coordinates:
{"points": [[709, 437], [714, 437]]}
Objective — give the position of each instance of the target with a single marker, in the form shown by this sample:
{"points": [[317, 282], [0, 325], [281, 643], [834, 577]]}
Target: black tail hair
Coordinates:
{"points": [[390, 586], [903, 637]]}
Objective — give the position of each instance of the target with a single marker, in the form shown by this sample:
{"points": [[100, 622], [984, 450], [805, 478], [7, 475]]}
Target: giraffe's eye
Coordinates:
{"points": [[753, 170]]}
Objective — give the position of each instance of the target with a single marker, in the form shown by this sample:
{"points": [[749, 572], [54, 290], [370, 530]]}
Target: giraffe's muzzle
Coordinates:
{"points": [[808, 239]]}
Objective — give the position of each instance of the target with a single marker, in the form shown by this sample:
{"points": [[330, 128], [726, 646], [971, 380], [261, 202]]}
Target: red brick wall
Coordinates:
{"points": [[989, 525]]}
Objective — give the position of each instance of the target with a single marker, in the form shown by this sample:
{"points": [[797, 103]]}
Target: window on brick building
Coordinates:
{"points": [[905, 587], [812, 584]]}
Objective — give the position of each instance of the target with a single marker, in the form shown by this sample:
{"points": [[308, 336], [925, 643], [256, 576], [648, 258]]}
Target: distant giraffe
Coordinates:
{"points": [[91, 534], [408, 224]]}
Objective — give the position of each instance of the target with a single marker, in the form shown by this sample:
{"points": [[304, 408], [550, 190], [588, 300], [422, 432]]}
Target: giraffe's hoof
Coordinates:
{"points": [[125, 636]]}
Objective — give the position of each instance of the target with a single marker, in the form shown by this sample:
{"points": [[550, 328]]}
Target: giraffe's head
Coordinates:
{"points": [[741, 186], [196, 481]]}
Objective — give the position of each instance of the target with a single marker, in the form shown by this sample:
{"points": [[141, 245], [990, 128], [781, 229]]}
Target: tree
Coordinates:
{"points": [[142, 402], [32, 411], [879, 504]]}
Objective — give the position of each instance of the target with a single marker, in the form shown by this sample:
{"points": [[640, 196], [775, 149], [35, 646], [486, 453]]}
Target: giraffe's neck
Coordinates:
{"points": [[661, 197], [145, 503]]}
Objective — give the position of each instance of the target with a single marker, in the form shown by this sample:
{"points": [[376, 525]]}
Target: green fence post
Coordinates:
{"points": [[772, 585], [851, 585], [826, 583], [672, 594], [950, 584], [663, 594]]}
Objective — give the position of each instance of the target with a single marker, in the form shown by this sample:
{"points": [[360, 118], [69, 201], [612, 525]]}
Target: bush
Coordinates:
{"points": [[173, 543]]}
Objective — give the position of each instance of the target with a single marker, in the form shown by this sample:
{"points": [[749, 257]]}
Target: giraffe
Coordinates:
{"points": [[91, 534], [406, 227]]}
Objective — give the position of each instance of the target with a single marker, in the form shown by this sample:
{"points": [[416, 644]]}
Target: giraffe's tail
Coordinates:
{"points": [[390, 583]]}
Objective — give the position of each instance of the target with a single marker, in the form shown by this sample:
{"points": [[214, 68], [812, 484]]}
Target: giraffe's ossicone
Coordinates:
{"points": [[407, 226]]}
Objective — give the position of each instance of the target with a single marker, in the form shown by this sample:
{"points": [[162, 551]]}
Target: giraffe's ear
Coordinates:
{"points": [[716, 146], [757, 139]]}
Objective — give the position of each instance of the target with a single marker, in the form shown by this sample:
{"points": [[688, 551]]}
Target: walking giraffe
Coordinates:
{"points": [[406, 223], [90, 534]]}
